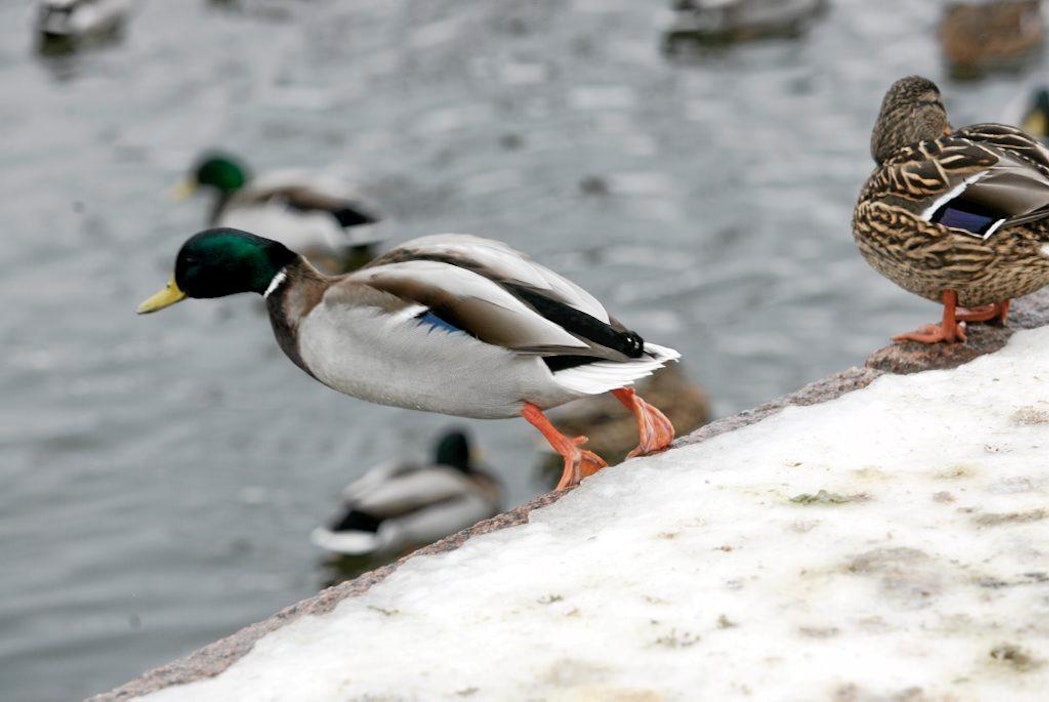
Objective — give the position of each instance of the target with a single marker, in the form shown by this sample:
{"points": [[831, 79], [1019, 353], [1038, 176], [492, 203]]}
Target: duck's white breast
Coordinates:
{"points": [[398, 361]]}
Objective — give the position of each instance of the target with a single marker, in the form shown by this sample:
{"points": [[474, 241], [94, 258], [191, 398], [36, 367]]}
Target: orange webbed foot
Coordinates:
{"points": [[949, 330], [994, 312], [654, 429], [933, 334], [579, 463], [983, 313]]}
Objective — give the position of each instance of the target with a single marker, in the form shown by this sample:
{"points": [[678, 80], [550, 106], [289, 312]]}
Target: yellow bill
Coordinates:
{"points": [[184, 190], [168, 296]]}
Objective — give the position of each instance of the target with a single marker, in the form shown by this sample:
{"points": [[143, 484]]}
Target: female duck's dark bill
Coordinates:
{"points": [[168, 295]]}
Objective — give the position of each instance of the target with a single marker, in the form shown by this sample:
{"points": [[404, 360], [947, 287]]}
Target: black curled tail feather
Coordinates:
{"points": [[635, 343], [629, 343]]}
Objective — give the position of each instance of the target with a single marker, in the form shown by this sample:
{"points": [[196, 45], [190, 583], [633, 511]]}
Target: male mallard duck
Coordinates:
{"points": [[73, 19], [403, 504], [449, 323], [958, 216], [324, 221], [1000, 34]]}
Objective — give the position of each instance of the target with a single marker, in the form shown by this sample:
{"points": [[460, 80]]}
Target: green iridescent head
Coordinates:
{"points": [[220, 262], [215, 169]]}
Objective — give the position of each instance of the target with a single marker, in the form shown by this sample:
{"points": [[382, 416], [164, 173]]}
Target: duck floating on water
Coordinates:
{"points": [[327, 222], [729, 21], [1035, 117], [1000, 35], [406, 504], [78, 18], [958, 216], [449, 323], [62, 25]]}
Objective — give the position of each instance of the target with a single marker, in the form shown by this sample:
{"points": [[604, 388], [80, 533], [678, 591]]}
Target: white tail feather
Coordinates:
{"points": [[351, 543], [602, 376]]}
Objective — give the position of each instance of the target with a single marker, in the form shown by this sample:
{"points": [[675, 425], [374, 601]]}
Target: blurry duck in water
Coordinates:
{"points": [[449, 323], [1035, 120], [726, 21], [327, 222], [66, 22], [958, 216], [404, 504], [977, 37]]}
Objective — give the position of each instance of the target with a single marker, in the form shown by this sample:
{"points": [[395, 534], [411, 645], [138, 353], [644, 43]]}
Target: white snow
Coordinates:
{"points": [[921, 572]]}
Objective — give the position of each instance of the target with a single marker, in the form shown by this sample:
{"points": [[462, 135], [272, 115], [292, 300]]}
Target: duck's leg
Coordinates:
{"points": [[949, 330], [579, 463], [655, 430], [996, 311]]}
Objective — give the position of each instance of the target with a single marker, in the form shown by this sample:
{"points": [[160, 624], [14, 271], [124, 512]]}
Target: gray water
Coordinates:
{"points": [[160, 475]]}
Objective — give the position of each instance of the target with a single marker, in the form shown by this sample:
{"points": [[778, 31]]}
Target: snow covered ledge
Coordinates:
{"points": [[890, 544]]}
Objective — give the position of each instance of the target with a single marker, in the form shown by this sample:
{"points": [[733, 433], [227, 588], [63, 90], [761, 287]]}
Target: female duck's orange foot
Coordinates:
{"points": [[579, 463], [655, 430], [933, 334], [950, 330], [996, 312]]}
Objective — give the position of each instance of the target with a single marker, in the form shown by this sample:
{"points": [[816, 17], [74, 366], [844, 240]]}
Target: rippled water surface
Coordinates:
{"points": [[160, 475]]}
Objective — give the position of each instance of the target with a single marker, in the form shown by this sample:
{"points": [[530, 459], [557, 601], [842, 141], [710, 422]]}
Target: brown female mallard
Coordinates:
{"points": [[984, 36], [959, 216]]}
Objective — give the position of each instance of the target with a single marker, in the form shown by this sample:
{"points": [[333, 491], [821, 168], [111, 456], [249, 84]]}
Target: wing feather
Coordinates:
{"points": [[471, 302], [411, 491], [501, 297], [497, 261], [307, 192], [989, 176]]}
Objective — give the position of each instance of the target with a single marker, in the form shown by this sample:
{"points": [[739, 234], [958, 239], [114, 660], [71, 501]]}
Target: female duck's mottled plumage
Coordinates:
{"points": [[958, 216], [325, 221], [450, 323], [405, 504]]}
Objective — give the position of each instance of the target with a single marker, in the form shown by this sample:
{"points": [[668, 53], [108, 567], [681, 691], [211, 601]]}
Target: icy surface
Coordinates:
{"points": [[889, 545]]}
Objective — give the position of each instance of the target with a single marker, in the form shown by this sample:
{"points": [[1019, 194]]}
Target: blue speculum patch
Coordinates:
{"points": [[434, 322], [969, 221]]}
